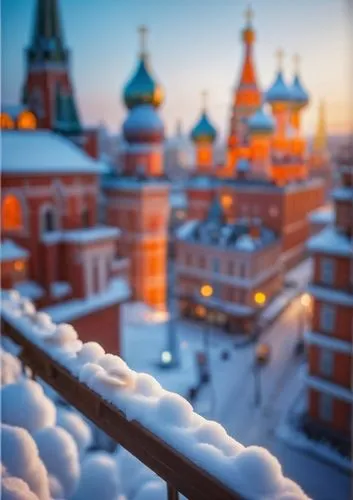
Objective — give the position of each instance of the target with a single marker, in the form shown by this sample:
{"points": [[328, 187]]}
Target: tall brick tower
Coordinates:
{"points": [[48, 91], [246, 100], [138, 200]]}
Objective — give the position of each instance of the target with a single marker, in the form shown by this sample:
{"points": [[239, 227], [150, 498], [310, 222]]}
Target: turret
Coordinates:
{"points": [[299, 97], [143, 128], [247, 96], [279, 98], [261, 127], [142, 88], [203, 136]]}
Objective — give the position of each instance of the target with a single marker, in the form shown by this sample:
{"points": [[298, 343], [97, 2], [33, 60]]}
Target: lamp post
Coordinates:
{"points": [[206, 292], [305, 303], [262, 356]]}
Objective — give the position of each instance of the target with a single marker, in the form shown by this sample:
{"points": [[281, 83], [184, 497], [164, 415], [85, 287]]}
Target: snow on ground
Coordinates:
{"points": [[140, 397], [144, 339]]}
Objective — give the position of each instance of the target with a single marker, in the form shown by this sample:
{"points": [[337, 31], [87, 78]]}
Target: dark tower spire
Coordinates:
{"points": [[47, 40]]}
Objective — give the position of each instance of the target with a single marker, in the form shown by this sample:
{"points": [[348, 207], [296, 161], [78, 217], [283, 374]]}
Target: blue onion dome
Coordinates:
{"points": [[279, 91], [204, 131], [261, 122], [300, 96], [142, 88], [143, 124]]}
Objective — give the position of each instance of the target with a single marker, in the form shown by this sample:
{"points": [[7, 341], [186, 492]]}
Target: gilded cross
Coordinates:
{"points": [[143, 30], [204, 96], [280, 57]]}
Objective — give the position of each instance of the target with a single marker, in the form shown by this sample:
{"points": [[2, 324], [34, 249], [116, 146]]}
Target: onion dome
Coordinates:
{"points": [[143, 125], [142, 88], [300, 96], [204, 131], [279, 91], [261, 123]]}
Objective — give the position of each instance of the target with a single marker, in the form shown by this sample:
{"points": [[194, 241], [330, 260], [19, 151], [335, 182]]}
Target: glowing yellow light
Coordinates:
{"points": [[206, 291], [305, 300], [6, 121], [260, 298], [27, 120], [19, 266], [227, 201]]}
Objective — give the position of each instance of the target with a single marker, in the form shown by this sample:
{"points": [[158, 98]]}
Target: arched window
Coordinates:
{"points": [[12, 217], [6, 121], [48, 222]]}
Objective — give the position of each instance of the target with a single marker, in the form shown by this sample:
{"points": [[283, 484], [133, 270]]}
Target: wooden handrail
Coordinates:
{"points": [[179, 472]]}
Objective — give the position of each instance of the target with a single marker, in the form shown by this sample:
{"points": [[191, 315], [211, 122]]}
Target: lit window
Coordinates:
{"points": [[327, 318], [27, 120], [6, 121], [326, 362], [19, 266], [326, 407], [227, 201], [327, 271], [11, 213]]}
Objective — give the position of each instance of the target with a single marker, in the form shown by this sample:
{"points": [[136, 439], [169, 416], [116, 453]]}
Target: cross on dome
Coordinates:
{"points": [[249, 15], [143, 30], [280, 58], [204, 96]]}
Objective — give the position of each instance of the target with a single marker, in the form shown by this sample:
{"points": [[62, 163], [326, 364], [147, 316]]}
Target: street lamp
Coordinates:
{"points": [[305, 303], [262, 356]]}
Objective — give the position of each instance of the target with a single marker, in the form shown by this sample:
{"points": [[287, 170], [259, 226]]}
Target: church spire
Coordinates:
{"points": [[47, 40], [320, 138]]}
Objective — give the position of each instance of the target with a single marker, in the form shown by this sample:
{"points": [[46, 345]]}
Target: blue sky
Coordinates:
{"points": [[194, 45]]}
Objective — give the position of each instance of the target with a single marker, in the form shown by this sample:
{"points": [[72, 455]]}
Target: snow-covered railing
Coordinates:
{"points": [[194, 456]]}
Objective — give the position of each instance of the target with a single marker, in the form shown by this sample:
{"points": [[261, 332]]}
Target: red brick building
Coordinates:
{"points": [[329, 343], [138, 198], [235, 262], [48, 92], [53, 251]]}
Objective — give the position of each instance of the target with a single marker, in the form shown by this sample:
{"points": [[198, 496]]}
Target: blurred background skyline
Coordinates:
{"points": [[193, 45]]}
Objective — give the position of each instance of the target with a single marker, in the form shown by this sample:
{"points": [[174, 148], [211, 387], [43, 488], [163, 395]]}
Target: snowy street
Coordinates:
{"points": [[281, 384]]}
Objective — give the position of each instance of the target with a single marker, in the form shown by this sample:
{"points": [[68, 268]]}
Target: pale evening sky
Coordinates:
{"points": [[194, 45]]}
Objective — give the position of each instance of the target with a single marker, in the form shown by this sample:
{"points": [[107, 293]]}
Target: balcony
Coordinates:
{"points": [[193, 456]]}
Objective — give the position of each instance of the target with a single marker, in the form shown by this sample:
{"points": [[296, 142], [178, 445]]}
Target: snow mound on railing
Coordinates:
{"points": [[250, 471]]}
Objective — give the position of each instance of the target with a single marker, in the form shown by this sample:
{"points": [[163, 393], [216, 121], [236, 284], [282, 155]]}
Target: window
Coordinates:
{"points": [[215, 265], [12, 218], [326, 362], [202, 262], [27, 120], [327, 318], [48, 221], [231, 268], [188, 259], [85, 217], [242, 270], [327, 271], [325, 407], [6, 121]]}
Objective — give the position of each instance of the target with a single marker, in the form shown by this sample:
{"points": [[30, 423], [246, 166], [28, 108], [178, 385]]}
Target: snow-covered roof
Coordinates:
{"points": [[245, 243], [202, 182], [118, 291], [141, 119], [60, 289], [343, 194], [330, 241], [43, 152], [178, 199], [125, 183], [251, 472], [332, 343], [9, 251], [84, 235], [323, 215], [330, 388], [331, 295]]}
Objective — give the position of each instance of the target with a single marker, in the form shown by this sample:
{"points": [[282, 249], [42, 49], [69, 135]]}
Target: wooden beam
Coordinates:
{"points": [[179, 472]]}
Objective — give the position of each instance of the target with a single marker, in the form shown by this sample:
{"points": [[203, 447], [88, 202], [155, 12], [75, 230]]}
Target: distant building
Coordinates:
{"points": [[321, 218], [224, 272], [48, 93], [266, 169], [177, 156], [137, 197], [329, 343], [52, 250]]}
